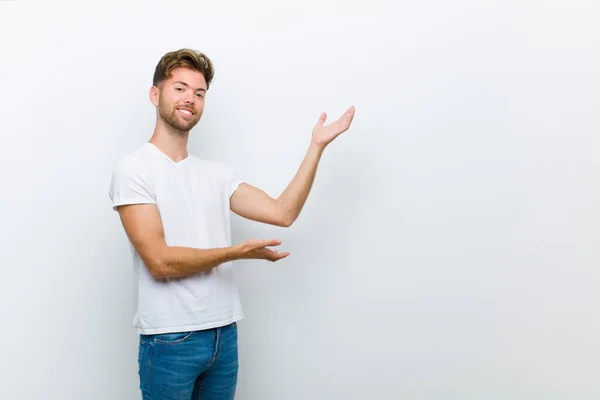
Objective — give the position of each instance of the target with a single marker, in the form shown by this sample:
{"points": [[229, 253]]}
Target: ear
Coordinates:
{"points": [[154, 94]]}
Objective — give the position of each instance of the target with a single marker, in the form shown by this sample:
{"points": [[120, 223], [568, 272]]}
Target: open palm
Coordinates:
{"points": [[324, 134]]}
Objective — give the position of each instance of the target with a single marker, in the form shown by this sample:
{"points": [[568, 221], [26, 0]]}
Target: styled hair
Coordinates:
{"points": [[187, 58]]}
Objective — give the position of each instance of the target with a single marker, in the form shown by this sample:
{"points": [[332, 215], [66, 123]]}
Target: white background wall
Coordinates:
{"points": [[458, 253]]}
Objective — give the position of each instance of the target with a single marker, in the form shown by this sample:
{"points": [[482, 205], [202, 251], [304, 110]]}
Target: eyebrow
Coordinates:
{"points": [[185, 84]]}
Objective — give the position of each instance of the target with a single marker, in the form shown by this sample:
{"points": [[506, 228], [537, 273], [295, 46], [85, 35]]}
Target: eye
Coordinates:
{"points": [[200, 95]]}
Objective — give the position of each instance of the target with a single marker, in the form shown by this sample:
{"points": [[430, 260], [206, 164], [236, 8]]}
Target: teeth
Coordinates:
{"points": [[185, 111]]}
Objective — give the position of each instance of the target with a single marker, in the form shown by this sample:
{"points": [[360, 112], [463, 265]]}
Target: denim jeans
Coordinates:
{"points": [[196, 365]]}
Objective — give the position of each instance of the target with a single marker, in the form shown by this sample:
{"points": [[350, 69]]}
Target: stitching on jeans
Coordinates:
{"points": [[176, 341], [215, 353], [219, 350], [200, 391], [150, 348]]}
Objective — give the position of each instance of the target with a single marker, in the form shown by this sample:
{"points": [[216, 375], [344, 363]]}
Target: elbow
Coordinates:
{"points": [[158, 273], [157, 270], [158, 267], [286, 221], [283, 215]]}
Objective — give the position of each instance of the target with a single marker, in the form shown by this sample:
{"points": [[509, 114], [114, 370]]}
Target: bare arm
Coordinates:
{"points": [[144, 228], [253, 203]]}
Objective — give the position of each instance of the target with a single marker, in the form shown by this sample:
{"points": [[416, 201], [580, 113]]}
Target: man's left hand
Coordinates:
{"points": [[324, 134]]}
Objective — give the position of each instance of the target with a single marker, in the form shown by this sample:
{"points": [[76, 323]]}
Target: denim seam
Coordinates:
{"points": [[150, 348], [217, 348], [178, 341], [200, 391]]}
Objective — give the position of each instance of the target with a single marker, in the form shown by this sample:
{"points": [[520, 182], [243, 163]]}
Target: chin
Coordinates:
{"points": [[182, 127], [178, 123]]}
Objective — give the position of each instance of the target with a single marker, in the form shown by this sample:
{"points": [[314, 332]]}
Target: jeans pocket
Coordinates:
{"points": [[172, 338]]}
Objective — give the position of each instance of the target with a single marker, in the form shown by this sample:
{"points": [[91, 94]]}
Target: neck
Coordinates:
{"points": [[170, 141]]}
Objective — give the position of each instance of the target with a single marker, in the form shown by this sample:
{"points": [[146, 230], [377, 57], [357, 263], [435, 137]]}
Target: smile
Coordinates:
{"points": [[186, 112]]}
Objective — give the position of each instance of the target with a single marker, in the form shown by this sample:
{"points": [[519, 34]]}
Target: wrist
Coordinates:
{"points": [[316, 148], [236, 252]]}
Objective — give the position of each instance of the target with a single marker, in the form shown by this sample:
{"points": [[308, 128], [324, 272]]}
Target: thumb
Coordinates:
{"points": [[322, 119]]}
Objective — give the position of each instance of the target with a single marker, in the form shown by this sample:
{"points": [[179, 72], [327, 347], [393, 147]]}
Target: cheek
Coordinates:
{"points": [[166, 102], [171, 99]]}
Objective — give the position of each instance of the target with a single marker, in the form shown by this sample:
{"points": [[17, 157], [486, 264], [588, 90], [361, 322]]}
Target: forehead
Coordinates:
{"points": [[192, 78]]}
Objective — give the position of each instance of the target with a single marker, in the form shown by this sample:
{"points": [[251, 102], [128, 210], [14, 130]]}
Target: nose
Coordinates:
{"points": [[190, 97]]}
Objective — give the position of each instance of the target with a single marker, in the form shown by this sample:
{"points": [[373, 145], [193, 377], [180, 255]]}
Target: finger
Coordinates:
{"points": [[272, 242], [322, 119], [345, 120], [278, 256], [349, 114]]}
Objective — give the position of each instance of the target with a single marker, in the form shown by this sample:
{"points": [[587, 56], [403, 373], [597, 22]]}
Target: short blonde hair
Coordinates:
{"points": [[186, 58]]}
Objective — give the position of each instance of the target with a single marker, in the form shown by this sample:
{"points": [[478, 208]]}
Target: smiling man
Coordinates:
{"points": [[175, 209]]}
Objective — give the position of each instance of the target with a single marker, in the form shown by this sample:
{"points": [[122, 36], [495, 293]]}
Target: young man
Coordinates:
{"points": [[175, 209]]}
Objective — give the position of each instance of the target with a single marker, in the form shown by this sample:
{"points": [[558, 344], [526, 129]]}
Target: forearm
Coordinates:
{"points": [[294, 197], [178, 262]]}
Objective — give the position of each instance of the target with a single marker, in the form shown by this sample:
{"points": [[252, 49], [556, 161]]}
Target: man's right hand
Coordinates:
{"points": [[257, 249]]}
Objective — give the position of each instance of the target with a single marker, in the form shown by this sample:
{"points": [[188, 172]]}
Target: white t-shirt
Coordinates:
{"points": [[192, 197]]}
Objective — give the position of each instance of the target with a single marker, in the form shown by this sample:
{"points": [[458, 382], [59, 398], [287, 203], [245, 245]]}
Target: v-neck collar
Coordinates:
{"points": [[183, 161]]}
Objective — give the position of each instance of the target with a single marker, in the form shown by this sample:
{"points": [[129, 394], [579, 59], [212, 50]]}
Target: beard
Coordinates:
{"points": [[172, 119]]}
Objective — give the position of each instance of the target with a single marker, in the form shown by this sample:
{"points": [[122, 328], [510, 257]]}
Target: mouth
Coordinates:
{"points": [[185, 112]]}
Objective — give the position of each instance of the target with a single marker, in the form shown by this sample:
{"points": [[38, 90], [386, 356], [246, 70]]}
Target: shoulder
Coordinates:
{"points": [[132, 169], [133, 162], [131, 181]]}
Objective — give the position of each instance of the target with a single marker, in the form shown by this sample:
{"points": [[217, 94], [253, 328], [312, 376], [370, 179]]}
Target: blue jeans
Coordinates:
{"points": [[196, 365]]}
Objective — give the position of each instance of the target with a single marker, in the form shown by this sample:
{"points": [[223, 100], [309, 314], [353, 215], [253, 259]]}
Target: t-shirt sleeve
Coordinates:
{"points": [[131, 184], [234, 181]]}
